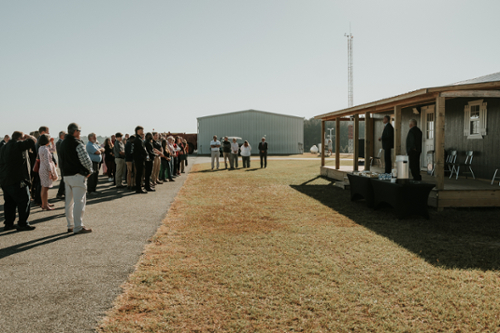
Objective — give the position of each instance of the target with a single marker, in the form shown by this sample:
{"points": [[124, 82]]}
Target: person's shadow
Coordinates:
{"points": [[10, 250]]}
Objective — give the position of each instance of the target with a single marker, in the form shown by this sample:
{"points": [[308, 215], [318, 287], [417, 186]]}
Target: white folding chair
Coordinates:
{"points": [[378, 158]]}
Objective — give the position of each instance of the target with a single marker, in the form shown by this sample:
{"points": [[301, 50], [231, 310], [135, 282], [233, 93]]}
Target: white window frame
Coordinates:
{"points": [[483, 119]]}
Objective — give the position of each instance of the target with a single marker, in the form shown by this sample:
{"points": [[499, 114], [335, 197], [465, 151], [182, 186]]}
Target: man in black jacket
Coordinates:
{"points": [[263, 153], [414, 149], [387, 139], [76, 167], [60, 191], [4, 141], [15, 179], [139, 153], [226, 150]]}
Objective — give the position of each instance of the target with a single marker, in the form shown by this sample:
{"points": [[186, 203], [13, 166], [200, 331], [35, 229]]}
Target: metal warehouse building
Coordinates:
{"points": [[284, 133]]}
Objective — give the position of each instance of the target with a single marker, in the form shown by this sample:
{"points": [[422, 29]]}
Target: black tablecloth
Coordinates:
{"points": [[407, 199], [361, 188]]}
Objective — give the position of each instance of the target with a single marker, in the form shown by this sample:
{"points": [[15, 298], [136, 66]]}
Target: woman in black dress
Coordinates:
{"points": [[149, 162], [109, 159]]}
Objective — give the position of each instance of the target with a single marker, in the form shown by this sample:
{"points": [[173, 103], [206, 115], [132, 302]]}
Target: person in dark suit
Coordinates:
{"points": [[60, 191], [414, 149], [15, 179], [387, 139], [263, 153], [140, 155], [4, 141]]}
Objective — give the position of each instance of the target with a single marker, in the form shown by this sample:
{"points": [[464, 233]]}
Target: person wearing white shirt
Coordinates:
{"points": [[214, 147], [245, 154], [233, 158]]}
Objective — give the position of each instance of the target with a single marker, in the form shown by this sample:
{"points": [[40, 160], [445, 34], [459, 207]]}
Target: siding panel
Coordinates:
{"points": [[283, 133]]}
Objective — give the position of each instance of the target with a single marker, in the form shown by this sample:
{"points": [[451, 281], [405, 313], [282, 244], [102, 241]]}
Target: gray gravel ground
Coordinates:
{"points": [[52, 281]]}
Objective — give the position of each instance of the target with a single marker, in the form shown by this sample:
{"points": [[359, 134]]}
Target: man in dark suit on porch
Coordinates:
{"points": [[414, 149], [387, 139]]}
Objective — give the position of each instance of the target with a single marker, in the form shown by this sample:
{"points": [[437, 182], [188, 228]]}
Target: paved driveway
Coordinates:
{"points": [[52, 281]]}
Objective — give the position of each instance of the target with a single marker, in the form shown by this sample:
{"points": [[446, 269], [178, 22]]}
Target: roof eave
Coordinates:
{"points": [[418, 95]]}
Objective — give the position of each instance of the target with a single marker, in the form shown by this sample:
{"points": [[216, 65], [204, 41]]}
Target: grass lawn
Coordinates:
{"points": [[280, 250]]}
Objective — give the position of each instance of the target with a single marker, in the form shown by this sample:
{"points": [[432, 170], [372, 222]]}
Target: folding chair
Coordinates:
{"points": [[468, 162], [377, 158], [450, 162], [495, 177]]}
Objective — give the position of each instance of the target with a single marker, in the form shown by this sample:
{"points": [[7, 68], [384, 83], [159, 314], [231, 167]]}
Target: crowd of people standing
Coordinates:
{"points": [[230, 151], [28, 169]]}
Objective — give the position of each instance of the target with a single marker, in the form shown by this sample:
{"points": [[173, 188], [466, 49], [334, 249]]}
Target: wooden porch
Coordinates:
{"points": [[456, 193], [448, 192]]}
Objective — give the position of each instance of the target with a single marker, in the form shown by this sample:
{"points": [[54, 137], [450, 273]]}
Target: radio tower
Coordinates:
{"points": [[350, 89], [350, 40]]}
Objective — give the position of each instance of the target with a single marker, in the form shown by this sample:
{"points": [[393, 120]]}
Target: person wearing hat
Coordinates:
{"points": [[76, 167], [263, 153]]}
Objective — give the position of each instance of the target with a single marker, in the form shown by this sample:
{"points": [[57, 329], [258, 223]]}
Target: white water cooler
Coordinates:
{"points": [[403, 168]]}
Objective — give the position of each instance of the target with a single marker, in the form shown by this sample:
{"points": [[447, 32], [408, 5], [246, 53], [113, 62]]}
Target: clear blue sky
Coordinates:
{"points": [[111, 65]]}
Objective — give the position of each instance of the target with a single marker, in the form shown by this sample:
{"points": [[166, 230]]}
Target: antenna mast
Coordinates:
{"points": [[350, 39]]}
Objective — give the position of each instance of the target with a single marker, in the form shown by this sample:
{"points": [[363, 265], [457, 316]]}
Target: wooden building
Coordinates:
{"points": [[464, 116]]}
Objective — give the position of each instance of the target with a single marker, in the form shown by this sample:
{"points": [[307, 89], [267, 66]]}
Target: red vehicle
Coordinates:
{"points": [[192, 140]]}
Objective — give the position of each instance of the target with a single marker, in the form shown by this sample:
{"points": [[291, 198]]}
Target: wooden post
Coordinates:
{"points": [[397, 133], [356, 142], [439, 149], [337, 143], [368, 140], [322, 152]]}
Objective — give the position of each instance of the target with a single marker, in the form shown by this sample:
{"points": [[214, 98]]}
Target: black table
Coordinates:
{"points": [[361, 188], [407, 199]]}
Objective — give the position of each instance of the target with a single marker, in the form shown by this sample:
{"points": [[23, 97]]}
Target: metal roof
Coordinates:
{"points": [[250, 110], [486, 80]]}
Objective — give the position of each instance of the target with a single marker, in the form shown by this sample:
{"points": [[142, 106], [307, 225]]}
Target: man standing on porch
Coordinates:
{"points": [[414, 149], [387, 139]]}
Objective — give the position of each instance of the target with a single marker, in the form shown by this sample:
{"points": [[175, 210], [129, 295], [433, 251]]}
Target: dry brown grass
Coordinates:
{"points": [[268, 251]]}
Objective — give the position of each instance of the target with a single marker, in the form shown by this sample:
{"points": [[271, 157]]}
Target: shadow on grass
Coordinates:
{"points": [[454, 238], [208, 170], [254, 169]]}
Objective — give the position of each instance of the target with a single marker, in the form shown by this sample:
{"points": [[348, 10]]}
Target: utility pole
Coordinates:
{"points": [[350, 91], [330, 129], [350, 40]]}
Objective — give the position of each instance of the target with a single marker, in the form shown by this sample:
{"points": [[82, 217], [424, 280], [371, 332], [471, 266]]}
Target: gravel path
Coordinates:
{"points": [[52, 281]]}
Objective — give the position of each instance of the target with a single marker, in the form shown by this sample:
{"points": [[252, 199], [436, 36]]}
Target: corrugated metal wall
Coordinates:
{"points": [[283, 133]]}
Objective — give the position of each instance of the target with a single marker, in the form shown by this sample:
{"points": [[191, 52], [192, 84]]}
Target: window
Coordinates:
{"points": [[475, 120], [430, 126]]}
